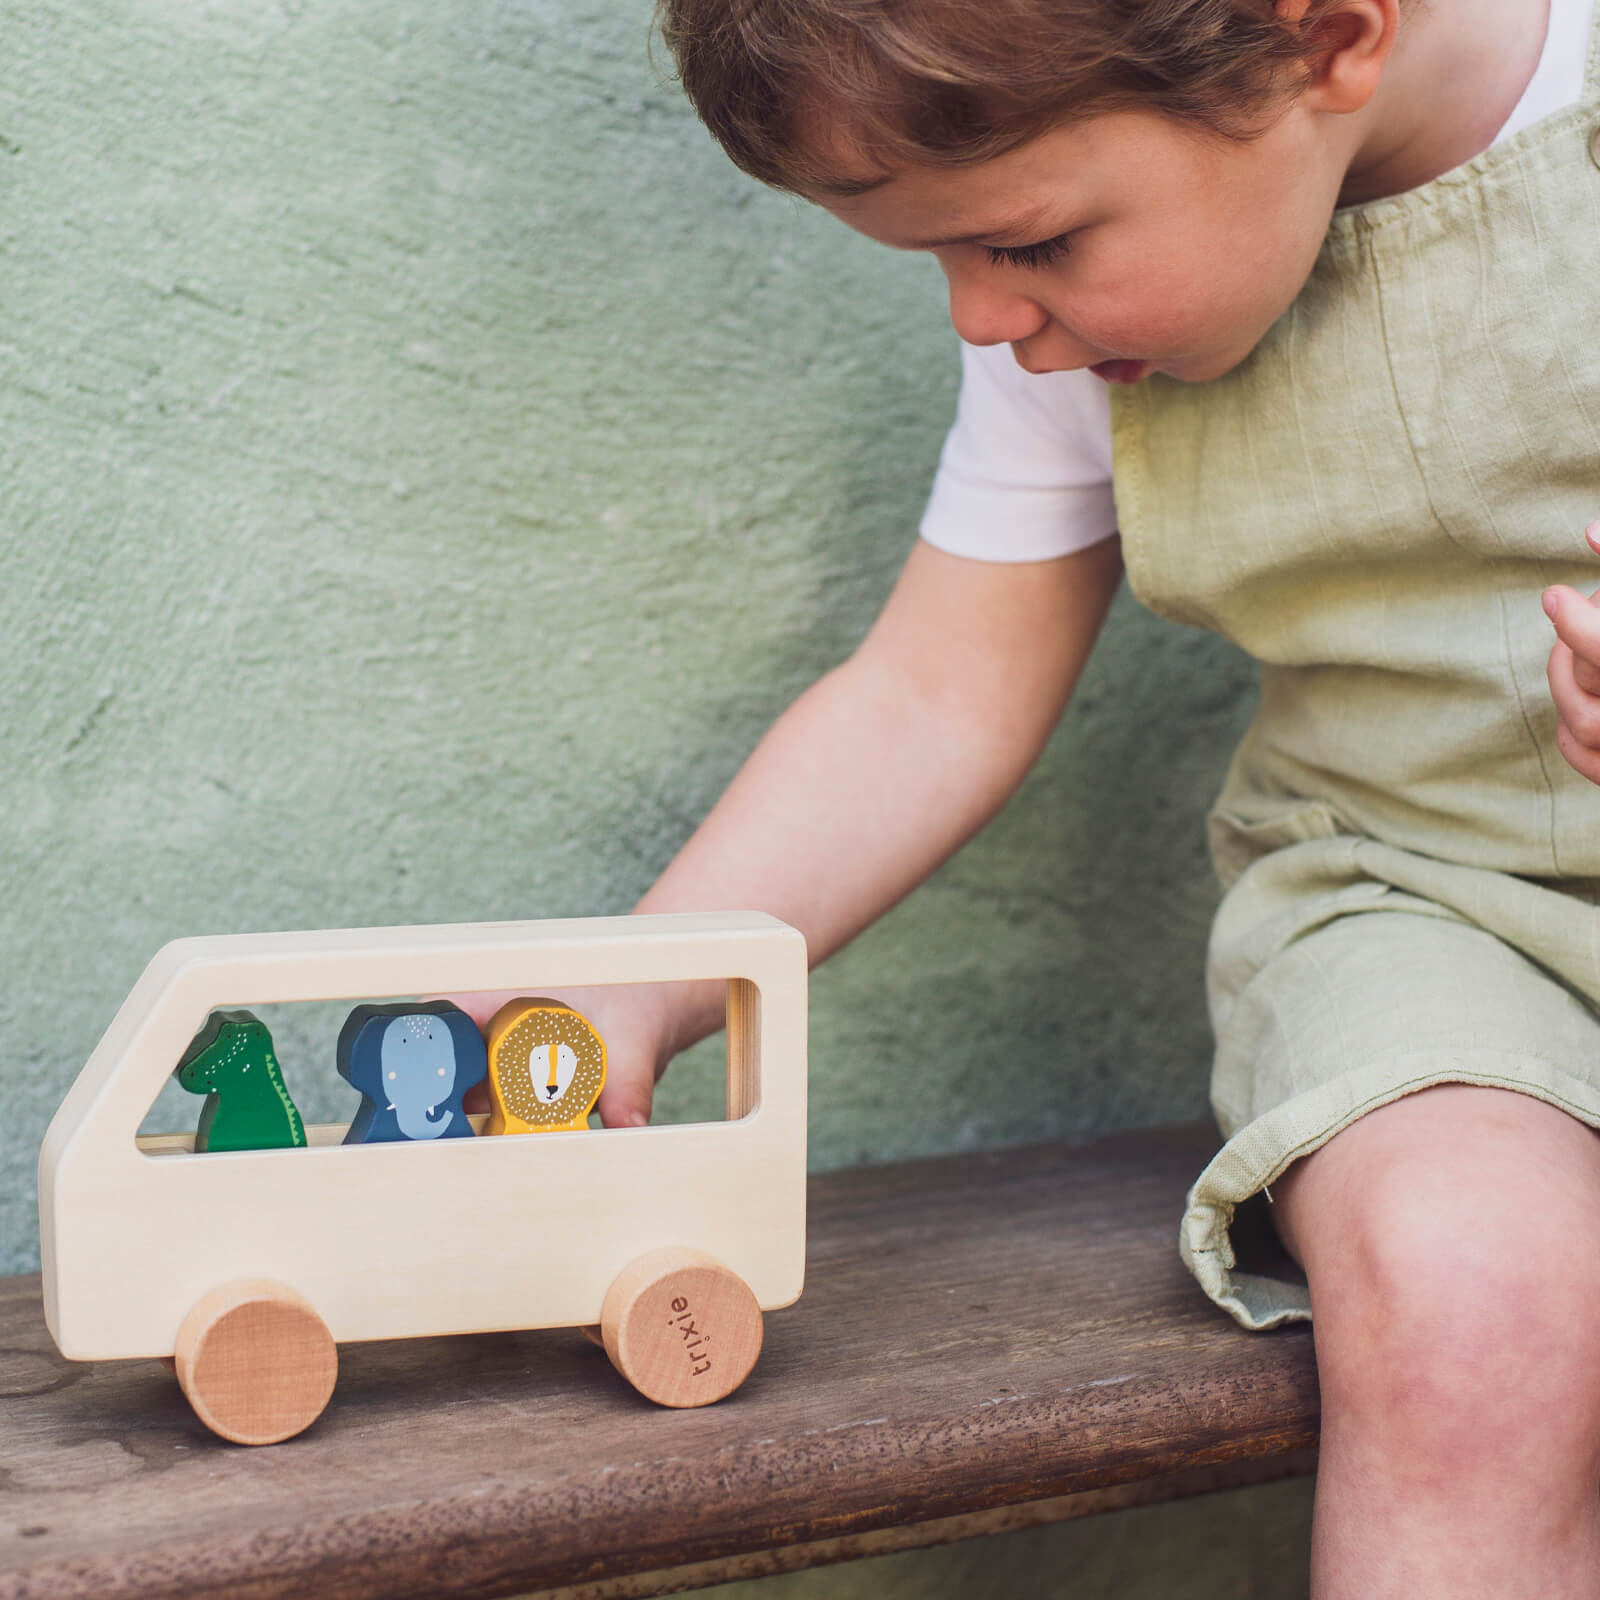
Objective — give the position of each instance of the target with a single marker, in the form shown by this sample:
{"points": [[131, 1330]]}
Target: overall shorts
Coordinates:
{"points": [[1371, 506]]}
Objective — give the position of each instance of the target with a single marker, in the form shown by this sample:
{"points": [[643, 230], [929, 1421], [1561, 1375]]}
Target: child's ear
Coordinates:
{"points": [[1354, 38]]}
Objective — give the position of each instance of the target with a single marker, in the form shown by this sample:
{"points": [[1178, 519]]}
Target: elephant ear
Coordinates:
{"points": [[360, 1049], [472, 1054]]}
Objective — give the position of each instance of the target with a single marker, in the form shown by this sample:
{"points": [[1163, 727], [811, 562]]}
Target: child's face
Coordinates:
{"points": [[1127, 243]]}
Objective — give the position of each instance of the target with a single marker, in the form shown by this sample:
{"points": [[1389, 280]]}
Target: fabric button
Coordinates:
{"points": [[1594, 147]]}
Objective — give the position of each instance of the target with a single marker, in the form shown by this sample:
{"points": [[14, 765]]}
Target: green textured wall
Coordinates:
{"points": [[1247, 1545], [425, 468]]}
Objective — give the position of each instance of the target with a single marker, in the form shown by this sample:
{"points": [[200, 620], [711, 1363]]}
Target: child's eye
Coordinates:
{"points": [[1030, 257]]}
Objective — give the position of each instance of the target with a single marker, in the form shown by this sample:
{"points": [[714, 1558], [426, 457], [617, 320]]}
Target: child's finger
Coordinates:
{"points": [[1578, 731], [1578, 709], [480, 1004], [1584, 761], [1577, 625], [627, 1016], [625, 1100]]}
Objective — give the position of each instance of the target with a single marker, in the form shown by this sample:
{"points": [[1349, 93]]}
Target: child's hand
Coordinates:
{"points": [[1574, 671], [632, 1020]]}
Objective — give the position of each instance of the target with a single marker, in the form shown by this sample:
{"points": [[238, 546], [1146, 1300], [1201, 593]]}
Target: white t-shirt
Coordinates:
{"points": [[1026, 470]]}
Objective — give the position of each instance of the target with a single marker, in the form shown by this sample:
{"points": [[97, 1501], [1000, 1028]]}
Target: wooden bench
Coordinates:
{"points": [[986, 1342]]}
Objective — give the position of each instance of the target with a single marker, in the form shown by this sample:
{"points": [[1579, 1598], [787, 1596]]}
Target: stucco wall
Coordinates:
{"points": [[425, 468], [1248, 1545]]}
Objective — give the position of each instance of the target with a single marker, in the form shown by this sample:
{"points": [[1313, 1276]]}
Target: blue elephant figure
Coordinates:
{"points": [[412, 1063]]}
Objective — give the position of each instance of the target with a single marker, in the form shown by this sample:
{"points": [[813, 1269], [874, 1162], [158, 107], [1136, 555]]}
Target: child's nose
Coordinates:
{"points": [[985, 309]]}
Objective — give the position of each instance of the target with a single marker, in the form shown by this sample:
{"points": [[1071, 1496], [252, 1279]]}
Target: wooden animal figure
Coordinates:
{"points": [[231, 1062], [547, 1067], [412, 1063]]}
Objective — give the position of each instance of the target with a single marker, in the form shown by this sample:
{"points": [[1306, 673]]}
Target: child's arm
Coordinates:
{"points": [[1574, 671], [874, 776]]}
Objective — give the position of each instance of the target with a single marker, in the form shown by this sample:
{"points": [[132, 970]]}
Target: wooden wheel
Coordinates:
{"points": [[256, 1362], [681, 1328]]}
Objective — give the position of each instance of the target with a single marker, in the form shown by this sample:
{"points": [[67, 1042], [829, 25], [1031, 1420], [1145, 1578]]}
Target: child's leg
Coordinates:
{"points": [[1452, 1244]]}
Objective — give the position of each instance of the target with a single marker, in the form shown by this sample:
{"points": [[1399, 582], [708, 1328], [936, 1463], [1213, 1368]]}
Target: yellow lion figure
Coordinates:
{"points": [[547, 1067]]}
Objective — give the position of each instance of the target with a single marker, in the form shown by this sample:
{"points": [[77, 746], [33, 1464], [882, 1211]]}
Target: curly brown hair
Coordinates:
{"points": [[950, 82]]}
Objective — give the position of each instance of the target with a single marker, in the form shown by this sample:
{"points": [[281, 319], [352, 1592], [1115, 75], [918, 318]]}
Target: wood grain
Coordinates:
{"points": [[945, 1530], [256, 1362], [977, 1333], [681, 1328]]}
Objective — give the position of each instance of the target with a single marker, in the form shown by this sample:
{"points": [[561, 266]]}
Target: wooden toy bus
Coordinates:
{"points": [[247, 1267]]}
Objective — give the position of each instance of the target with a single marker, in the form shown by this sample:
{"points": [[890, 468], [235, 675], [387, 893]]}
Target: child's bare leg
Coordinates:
{"points": [[1452, 1243]]}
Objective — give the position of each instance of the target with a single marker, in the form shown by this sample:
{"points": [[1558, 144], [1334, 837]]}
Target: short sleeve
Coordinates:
{"points": [[1026, 469]]}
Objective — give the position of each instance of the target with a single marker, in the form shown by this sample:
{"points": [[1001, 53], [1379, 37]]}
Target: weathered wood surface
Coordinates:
{"points": [[982, 1338]]}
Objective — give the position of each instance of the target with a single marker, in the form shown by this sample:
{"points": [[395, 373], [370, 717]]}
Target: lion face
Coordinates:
{"points": [[547, 1067]]}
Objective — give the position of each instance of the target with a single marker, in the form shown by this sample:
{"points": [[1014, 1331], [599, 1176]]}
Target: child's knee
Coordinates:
{"points": [[1456, 1287], [1457, 1375]]}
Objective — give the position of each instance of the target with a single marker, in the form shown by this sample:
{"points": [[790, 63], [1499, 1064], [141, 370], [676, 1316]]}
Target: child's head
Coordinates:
{"points": [[953, 82], [1125, 185]]}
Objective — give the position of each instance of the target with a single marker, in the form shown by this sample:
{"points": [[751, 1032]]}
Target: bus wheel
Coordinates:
{"points": [[256, 1362], [681, 1328]]}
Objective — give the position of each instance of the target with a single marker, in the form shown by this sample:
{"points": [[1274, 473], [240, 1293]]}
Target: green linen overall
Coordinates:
{"points": [[1371, 505]]}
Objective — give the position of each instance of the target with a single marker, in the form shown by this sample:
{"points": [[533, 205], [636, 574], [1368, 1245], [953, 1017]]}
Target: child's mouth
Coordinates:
{"points": [[1121, 371]]}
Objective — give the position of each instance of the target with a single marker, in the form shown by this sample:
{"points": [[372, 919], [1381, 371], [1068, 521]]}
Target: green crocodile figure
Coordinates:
{"points": [[247, 1107]]}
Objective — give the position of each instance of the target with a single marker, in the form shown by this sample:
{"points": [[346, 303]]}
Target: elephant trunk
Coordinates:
{"points": [[421, 1122]]}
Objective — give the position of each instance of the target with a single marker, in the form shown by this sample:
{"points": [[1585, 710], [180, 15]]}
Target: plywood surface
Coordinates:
{"points": [[977, 1332]]}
